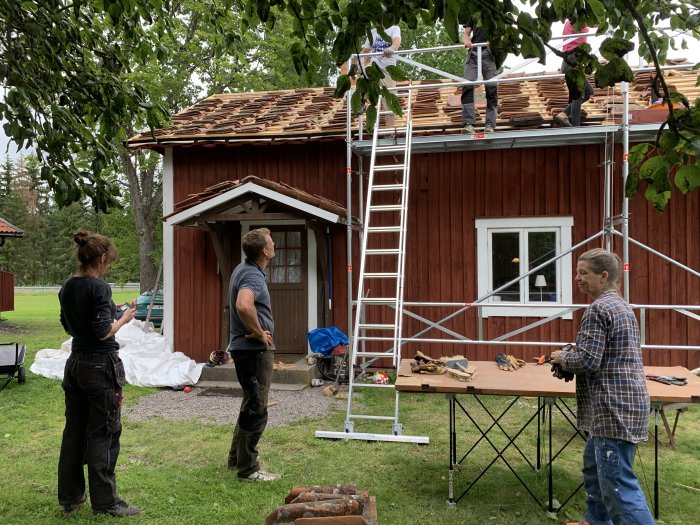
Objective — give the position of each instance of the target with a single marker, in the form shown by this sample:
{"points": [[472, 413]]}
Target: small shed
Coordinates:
{"points": [[7, 279]]}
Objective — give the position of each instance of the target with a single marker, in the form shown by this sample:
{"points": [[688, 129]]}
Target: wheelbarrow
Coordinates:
{"points": [[12, 362]]}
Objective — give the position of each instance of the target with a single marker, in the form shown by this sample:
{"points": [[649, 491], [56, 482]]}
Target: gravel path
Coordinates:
{"points": [[292, 405]]}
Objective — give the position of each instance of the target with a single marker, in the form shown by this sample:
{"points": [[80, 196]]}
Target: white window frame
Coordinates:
{"points": [[561, 225]]}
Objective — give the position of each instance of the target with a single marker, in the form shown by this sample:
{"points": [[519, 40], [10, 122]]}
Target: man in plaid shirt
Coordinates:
{"points": [[611, 395]]}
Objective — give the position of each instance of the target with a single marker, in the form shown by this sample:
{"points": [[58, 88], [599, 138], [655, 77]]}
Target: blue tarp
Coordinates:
{"points": [[324, 340]]}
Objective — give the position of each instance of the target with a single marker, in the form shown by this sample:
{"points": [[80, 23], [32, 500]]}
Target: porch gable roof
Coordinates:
{"points": [[232, 200]]}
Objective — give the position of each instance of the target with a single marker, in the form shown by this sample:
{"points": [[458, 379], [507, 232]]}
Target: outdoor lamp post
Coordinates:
{"points": [[540, 282]]}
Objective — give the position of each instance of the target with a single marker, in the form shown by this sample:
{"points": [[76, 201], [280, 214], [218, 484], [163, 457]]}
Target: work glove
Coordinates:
{"points": [[558, 371], [515, 362], [503, 363], [420, 357], [428, 368]]}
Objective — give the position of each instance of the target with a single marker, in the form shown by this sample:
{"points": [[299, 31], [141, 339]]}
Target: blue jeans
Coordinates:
{"points": [[613, 494]]}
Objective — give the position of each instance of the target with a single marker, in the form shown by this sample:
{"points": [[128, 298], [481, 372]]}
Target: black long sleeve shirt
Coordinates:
{"points": [[87, 313]]}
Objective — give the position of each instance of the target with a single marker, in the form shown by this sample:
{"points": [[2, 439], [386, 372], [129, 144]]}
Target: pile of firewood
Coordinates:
{"points": [[326, 505]]}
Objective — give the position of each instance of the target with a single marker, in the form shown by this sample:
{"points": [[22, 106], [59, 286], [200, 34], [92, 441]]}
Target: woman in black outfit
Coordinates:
{"points": [[92, 381]]}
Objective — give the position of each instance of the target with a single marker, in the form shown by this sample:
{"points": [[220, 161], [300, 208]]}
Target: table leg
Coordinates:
{"points": [[453, 450], [656, 463], [550, 476]]}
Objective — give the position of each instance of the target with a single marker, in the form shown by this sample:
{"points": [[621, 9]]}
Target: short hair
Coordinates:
{"points": [[600, 261], [254, 242], [91, 248]]}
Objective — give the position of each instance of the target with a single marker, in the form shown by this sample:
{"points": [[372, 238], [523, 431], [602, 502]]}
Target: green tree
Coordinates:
{"points": [[85, 82], [260, 62]]}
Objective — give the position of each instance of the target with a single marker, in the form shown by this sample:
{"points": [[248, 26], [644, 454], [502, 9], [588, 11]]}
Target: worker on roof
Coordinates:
{"points": [[474, 33], [571, 115]]}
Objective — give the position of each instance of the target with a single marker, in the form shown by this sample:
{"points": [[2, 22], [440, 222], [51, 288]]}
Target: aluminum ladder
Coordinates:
{"points": [[378, 318]]}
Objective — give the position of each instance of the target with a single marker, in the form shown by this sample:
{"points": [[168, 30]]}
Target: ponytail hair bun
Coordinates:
{"points": [[81, 238]]}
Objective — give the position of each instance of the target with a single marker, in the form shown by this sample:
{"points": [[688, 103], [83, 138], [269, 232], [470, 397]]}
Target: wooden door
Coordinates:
{"points": [[289, 288]]}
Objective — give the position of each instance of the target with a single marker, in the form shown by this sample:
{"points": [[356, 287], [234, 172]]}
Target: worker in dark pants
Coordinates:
{"points": [[252, 349], [474, 33], [92, 381]]}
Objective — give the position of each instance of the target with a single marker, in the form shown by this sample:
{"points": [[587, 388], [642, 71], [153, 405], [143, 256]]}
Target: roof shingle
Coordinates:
{"points": [[302, 114]]}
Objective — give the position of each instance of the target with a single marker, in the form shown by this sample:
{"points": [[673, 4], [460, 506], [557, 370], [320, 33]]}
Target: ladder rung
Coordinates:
{"points": [[393, 147], [388, 355], [383, 251], [391, 131], [389, 167], [383, 275], [358, 416], [370, 326], [386, 207], [387, 187], [383, 229], [378, 300]]}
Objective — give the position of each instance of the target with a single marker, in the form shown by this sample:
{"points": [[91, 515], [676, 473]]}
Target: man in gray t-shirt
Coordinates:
{"points": [[252, 350]]}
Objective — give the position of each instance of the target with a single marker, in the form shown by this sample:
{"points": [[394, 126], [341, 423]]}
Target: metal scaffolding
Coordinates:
{"points": [[607, 134]]}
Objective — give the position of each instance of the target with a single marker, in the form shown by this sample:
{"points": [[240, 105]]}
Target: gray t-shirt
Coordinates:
{"points": [[249, 275]]}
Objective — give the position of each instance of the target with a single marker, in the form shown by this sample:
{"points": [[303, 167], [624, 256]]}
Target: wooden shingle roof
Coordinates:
{"points": [[314, 114]]}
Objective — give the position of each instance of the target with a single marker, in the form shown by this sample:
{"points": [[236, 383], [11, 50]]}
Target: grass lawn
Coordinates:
{"points": [[176, 471]]}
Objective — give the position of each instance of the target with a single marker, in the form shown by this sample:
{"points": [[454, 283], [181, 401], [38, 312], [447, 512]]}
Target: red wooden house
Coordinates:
{"points": [[482, 210]]}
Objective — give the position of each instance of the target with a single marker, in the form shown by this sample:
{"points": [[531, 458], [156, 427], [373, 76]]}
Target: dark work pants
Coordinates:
{"points": [[93, 390], [254, 371], [573, 110], [488, 71]]}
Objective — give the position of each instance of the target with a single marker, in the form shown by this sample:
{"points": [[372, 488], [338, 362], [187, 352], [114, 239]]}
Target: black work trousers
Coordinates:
{"points": [[254, 371], [93, 390]]}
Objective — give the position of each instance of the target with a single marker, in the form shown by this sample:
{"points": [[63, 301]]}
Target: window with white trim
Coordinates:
{"points": [[510, 247]]}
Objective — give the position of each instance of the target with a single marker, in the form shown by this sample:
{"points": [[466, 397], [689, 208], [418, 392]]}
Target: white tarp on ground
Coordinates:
{"points": [[147, 356]]}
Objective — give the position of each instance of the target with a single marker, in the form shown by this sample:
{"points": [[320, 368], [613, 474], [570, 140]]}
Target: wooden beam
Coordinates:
{"points": [[226, 238]]}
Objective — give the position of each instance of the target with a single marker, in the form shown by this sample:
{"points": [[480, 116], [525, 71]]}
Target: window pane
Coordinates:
{"points": [[294, 239], [543, 285], [278, 274], [278, 238], [294, 274], [280, 258], [293, 256], [505, 265]]}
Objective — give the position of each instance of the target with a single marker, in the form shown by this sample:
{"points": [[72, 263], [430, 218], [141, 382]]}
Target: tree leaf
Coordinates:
{"points": [[396, 73], [631, 185], [658, 200], [392, 101], [613, 72], [342, 86], [612, 48], [370, 117], [575, 82], [653, 168], [598, 10], [688, 178]]}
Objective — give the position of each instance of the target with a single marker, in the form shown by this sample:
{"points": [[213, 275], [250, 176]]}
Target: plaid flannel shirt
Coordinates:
{"points": [[611, 390]]}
